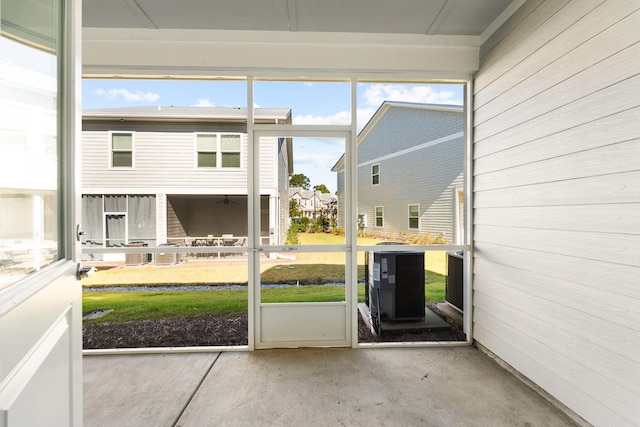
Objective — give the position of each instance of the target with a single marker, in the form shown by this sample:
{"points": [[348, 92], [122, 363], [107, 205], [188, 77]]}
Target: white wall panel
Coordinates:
{"points": [[586, 273], [614, 188], [610, 159], [539, 72], [557, 204]]}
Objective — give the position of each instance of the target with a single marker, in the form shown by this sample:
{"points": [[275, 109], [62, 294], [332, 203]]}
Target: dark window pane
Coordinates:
{"points": [[230, 160], [122, 159], [206, 160]]}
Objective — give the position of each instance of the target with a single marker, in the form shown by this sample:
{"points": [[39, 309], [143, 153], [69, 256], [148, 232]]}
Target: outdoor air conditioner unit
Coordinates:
{"points": [[455, 274], [395, 285]]}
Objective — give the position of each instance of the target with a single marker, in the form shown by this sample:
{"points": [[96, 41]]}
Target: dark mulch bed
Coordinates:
{"points": [[221, 330], [204, 331]]}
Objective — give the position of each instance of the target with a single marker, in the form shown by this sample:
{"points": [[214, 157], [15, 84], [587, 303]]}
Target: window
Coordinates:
{"points": [[121, 150], [218, 150], [375, 174], [414, 216], [30, 196], [230, 151], [379, 216], [207, 147]]}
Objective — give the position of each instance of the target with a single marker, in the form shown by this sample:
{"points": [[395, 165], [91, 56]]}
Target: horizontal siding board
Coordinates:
{"points": [[597, 357], [606, 34], [592, 314], [604, 218], [493, 46], [611, 278], [607, 160], [165, 161], [618, 67], [525, 24], [597, 133], [553, 372], [593, 190], [556, 167], [608, 101], [542, 25], [619, 249]]}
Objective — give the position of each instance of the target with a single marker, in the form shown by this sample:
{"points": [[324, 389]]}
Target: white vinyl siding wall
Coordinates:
{"points": [[166, 161], [557, 202]]}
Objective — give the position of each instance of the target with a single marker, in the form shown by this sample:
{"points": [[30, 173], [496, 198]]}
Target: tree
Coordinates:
{"points": [[329, 215], [299, 180], [322, 188], [294, 209]]}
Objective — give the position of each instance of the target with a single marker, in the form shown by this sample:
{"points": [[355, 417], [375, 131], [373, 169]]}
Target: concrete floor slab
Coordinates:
{"points": [[454, 386], [140, 390]]}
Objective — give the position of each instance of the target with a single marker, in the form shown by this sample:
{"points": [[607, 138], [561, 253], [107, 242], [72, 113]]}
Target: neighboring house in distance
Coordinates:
{"points": [[410, 171], [310, 202], [168, 174]]}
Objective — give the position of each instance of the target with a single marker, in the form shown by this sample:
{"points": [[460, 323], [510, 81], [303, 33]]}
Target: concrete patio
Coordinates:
{"points": [[453, 386]]}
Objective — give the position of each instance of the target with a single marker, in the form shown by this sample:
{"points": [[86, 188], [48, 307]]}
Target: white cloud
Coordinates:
{"points": [[364, 115], [341, 118], [203, 102], [376, 94], [321, 161], [128, 96]]}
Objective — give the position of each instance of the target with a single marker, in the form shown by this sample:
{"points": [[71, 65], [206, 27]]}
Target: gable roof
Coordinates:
{"points": [[382, 110], [308, 194]]}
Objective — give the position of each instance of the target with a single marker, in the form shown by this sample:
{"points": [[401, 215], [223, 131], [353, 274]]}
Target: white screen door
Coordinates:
{"points": [[40, 298], [302, 280]]}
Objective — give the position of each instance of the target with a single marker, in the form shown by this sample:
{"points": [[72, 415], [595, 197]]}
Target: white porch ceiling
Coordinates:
{"points": [[412, 39], [426, 17]]}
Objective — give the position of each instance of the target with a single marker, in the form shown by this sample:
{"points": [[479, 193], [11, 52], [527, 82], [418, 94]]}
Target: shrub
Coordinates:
{"points": [[292, 236]]}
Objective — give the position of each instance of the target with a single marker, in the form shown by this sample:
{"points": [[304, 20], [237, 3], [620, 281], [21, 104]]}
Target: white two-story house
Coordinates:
{"points": [[311, 202], [161, 175]]}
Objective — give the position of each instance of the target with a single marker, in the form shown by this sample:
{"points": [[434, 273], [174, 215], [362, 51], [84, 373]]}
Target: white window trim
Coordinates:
{"points": [[378, 174], [133, 149], [375, 215], [218, 151], [409, 216]]}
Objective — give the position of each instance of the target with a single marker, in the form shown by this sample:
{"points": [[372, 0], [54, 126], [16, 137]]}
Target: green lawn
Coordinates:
{"points": [[308, 268]]}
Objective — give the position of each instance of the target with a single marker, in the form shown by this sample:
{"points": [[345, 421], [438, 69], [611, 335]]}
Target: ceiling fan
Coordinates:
{"points": [[227, 201]]}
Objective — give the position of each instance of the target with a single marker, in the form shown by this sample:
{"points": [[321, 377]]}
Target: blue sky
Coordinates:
{"points": [[311, 103]]}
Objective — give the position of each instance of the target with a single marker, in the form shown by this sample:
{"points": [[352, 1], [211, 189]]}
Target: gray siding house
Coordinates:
{"points": [[175, 174], [410, 161]]}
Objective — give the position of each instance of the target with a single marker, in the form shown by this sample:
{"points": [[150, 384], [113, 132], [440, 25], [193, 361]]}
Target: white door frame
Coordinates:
{"points": [[41, 315], [300, 324]]}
